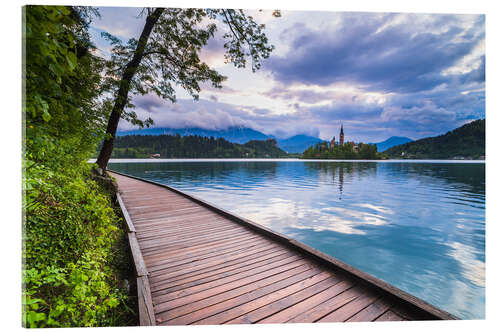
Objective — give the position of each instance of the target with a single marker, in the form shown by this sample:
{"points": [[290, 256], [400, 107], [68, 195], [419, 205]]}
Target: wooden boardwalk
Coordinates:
{"points": [[198, 264]]}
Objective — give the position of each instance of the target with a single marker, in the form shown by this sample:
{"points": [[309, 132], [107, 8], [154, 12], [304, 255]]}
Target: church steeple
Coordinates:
{"points": [[341, 135]]}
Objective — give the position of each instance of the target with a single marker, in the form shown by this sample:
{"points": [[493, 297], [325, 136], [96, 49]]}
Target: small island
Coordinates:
{"points": [[342, 150]]}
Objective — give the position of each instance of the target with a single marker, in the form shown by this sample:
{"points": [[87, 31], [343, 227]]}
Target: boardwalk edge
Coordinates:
{"points": [[145, 302]]}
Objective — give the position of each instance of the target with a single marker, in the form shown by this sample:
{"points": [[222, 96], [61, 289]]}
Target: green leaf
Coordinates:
{"points": [[72, 61], [46, 116], [33, 317]]}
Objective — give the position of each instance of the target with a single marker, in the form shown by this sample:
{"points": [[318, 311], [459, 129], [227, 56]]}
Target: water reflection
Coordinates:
{"points": [[419, 226]]}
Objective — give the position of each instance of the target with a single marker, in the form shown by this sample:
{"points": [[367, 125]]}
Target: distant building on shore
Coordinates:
{"points": [[332, 142]]}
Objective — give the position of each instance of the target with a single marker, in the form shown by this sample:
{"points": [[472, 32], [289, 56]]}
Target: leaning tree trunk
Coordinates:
{"points": [[122, 96]]}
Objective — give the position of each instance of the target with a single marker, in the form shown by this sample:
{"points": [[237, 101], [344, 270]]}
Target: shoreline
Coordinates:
{"points": [[180, 160]]}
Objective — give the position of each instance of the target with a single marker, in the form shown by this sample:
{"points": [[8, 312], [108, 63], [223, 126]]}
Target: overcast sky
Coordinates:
{"points": [[380, 74]]}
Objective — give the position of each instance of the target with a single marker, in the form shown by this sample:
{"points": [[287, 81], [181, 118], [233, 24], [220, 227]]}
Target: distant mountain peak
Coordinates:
{"points": [[391, 142]]}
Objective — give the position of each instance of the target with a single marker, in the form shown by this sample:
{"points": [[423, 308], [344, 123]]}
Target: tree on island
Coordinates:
{"points": [[346, 151], [167, 54]]}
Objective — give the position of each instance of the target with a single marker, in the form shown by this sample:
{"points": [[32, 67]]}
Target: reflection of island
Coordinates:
{"points": [[469, 177], [341, 181]]}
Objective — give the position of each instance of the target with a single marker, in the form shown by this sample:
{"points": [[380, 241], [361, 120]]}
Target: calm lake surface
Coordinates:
{"points": [[417, 225]]}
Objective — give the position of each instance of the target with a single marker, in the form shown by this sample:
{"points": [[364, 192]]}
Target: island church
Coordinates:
{"points": [[333, 143]]}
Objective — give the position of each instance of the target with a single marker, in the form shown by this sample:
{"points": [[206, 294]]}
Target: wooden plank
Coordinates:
{"points": [[167, 236], [199, 252], [198, 257], [139, 217], [165, 295], [158, 200], [175, 300], [127, 218], [186, 233], [140, 266], [154, 243], [221, 260], [196, 248], [179, 214], [171, 246], [222, 295], [186, 227], [350, 309], [237, 308], [230, 298], [389, 316], [151, 212], [166, 206], [137, 198], [212, 276], [165, 272], [276, 312], [326, 307], [205, 259], [146, 313], [281, 299], [181, 223], [213, 269], [373, 311], [162, 246], [310, 302]]}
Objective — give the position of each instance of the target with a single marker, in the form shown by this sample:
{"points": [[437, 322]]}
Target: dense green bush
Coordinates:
{"points": [[72, 237], [71, 233]]}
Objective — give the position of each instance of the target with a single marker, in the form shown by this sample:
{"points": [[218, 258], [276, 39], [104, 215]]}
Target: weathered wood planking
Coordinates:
{"points": [[199, 264]]}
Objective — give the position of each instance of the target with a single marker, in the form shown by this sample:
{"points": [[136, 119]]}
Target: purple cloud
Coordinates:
{"points": [[366, 49]]}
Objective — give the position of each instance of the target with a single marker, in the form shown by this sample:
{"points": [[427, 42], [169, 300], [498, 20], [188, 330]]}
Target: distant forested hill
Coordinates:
{"points": [[295, 144], [231, 134], [193, 146], [466, 142]]}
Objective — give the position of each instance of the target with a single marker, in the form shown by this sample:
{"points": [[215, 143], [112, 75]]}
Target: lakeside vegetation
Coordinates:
{"points": [[348, 151], [192, 146], [74, 251], [466, 142]]}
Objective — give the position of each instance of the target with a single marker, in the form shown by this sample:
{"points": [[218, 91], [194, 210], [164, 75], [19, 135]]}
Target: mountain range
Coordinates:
{"points": [[295, 144]]}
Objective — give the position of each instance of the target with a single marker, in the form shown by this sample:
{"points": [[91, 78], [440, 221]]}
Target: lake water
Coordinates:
{"points": [[417, 225]]}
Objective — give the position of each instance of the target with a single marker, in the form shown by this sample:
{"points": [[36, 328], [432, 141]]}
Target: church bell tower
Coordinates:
{"points": [[341, 135]]}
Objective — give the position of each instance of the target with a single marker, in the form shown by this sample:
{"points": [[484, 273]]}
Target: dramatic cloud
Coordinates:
{"points": [[380, 75], [188, 113], [377, 52], [213, 115]]}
